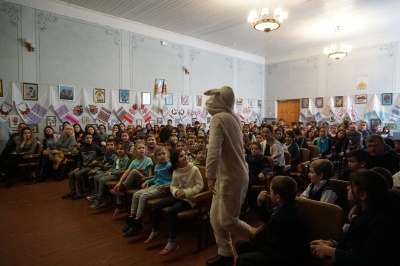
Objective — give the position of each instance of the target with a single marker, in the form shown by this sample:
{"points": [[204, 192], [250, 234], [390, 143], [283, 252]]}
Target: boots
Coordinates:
{"points": [[136, 226], [61, 171], [41, 176]]}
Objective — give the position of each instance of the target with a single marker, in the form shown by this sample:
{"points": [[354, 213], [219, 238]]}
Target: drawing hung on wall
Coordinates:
{"points": [[99, 95], [66, 93], [30, 91]]}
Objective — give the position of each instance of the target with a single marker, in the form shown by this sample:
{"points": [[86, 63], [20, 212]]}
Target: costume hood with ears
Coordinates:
{"points": [[221, 100]]}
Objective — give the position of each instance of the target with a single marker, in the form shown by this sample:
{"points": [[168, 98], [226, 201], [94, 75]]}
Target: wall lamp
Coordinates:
{"points": [[29, 45]]}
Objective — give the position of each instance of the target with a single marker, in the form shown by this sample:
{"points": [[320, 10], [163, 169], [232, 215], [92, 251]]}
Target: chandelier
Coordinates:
{"points": [[338, 49], [262, 22]]}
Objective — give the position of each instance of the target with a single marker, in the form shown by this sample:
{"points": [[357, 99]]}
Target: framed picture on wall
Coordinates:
{"points": [[387, 98], [239, 101], [338, 101], [123, 96], [391, 126], [146, 98], [319, 102], [259, 103], [51, 121], [33, 127], [169, 100], [250, 103], [1, 88], [159, 120], [14, 121], [331, 119], [375, 124], [199, 100], [30, 91], [99, 95], [139, 122], [185, 99], [305, 102], [85, 120], [361, 98], [66, 93]]}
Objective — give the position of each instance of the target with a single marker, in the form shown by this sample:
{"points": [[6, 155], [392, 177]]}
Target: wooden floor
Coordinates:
{"points": [[38, 228]]}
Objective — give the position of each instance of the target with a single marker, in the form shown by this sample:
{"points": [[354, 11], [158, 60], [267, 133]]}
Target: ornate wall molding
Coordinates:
{"points": [[43, 18], [135, 39], [390, 48], [230, 61], [193, 52], [271, 68], [114, 33], [179, 49], [12, 12]]}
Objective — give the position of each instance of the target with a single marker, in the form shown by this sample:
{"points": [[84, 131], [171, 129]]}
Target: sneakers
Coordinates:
{"points": [[68, 195], [137, 227], [118, 211], [92, 197], [120, 191], [97, 204], [77, 197]]}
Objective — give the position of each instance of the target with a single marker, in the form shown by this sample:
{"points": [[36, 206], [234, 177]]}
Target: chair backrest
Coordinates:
{"points": [[38, 148], [202, 170], [314, 151], [322, 220], [341, 192], [304, 155], [287, 158], [270, 161]]}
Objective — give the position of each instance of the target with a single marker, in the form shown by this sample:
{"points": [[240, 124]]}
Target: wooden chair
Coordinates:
{"points": [[322, 221], [314, 152], [302, 169], [31, 160], [200, 212], [341, 192], [288, 166]]}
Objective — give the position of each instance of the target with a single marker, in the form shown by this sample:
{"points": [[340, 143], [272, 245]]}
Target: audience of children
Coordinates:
{"points": [[139, 168], [186, 182], [121, 162], [321, 188], [152, 188], [200, 155], [356, 161]]}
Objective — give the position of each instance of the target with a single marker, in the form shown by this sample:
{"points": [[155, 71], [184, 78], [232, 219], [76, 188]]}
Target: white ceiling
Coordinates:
{"points": [[310, 23]]}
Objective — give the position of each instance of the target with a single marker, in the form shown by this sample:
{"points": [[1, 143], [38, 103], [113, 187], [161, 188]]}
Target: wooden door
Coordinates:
{"points": [[289, 110]]}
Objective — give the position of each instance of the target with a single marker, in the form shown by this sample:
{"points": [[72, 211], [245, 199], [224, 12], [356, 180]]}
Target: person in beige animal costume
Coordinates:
{"points": [[227, 174]]}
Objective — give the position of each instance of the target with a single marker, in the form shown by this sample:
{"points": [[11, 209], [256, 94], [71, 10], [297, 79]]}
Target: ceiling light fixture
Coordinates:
{"points": [[338, 49], [260, 20]]}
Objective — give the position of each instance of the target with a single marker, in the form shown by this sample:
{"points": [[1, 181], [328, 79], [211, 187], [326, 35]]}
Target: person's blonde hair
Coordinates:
{"points": [[73, 131]]}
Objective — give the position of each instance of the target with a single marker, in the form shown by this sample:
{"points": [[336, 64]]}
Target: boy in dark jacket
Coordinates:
{"points": [[284, 241], [88, 157]]}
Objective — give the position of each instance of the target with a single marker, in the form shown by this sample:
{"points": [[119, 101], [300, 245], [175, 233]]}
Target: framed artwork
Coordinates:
{"points": [[185, 99], [319, 102], [374, 124], [1, 88], [239, 101], [332, 119], [66, 93], [159, 120], [146, 98], [123, 96], [391, 126], [95, 126], [152, 123], [51, 121], [30, 91], [199, 100], [14, 121], [159, 85], [338, 101], [85, 120], [33, 127], [259, 103], [60, 128], [139, 122], [361, 98], [250, 103], [169, 100], [305, 102], [99, 95], [387, 98]]}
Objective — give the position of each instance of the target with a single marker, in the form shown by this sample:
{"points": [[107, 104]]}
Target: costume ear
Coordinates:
{"points": [[212, 92]]}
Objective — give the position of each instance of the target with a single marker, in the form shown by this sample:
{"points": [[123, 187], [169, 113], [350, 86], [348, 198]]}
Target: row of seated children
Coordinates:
{"points": [[370, 235]]}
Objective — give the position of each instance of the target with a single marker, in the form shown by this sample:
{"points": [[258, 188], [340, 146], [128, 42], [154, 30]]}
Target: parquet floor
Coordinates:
{"points": [[38, 228]]}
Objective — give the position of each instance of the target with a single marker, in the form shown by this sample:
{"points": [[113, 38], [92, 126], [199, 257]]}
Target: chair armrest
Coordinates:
{"points": [[201, 196], [27, 156], [258, 230]]}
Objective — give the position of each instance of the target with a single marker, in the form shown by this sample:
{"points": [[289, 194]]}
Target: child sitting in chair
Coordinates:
{"points": [[284, 241], [321, 188]]}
